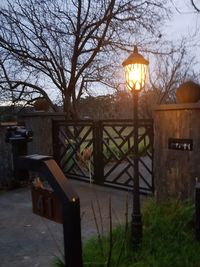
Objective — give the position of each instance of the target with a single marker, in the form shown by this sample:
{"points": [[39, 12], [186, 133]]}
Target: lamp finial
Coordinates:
{"points": [[135, 49]]}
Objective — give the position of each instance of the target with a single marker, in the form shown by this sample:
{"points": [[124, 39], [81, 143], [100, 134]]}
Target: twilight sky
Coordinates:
{"points": [[184, 22]]}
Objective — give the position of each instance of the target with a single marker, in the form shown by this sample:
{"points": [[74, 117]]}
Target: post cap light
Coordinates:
{"points": [[135, 70]]}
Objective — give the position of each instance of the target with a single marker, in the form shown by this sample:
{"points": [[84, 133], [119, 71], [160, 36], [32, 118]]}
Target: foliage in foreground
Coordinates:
{"points": [[168, 241]]}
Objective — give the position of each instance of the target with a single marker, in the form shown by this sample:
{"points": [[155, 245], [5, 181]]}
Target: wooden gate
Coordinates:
{"points": [[102, 152]]}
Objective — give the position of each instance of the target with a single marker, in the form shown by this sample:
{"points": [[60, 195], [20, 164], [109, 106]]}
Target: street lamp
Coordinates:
{"points": [[135, 73]]}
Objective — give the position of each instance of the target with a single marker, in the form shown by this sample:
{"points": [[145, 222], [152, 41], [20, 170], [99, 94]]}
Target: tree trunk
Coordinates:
{"points": [[67, 106]]}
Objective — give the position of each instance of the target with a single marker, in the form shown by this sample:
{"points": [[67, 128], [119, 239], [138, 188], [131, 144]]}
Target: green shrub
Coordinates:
{"points": [[168, 240]]}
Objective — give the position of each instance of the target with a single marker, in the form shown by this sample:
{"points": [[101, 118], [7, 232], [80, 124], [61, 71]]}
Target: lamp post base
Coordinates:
{"points": [[136, 227]]}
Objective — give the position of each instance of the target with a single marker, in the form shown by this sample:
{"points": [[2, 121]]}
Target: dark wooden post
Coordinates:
{"points": [[18, 137], [55, 141], [98, 153], [72, 234], [197, 211], [19, 148], [69, 200]]}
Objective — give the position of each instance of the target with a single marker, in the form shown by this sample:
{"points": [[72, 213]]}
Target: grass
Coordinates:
{"points": [[115, 150], [168, 240]]}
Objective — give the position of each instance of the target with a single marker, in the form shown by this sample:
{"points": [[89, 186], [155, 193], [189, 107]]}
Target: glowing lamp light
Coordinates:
{"points": [[135, 70]]}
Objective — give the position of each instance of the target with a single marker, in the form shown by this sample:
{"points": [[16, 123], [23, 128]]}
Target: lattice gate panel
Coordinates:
{"points": [[109, 145], [118, 154], [75, 149]]}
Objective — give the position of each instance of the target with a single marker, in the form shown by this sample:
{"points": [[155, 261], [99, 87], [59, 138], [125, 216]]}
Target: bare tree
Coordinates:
{"points": [[59, 48], [169, 72], [194, 4]]}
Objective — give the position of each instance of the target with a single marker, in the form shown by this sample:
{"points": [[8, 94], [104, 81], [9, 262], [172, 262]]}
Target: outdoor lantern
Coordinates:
{"points": [[135, 70]]}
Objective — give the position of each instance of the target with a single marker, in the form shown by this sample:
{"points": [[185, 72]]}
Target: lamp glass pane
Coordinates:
{"points": [[135, 76]]}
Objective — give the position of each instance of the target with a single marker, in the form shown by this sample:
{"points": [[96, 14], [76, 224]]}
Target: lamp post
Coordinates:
{"points": [[135, 73]]}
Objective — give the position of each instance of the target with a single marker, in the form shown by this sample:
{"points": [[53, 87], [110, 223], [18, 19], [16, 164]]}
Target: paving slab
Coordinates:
{"points": [[27, 240]]}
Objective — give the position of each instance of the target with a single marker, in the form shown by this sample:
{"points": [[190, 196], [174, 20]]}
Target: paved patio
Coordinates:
{"points": [[27, 240]]}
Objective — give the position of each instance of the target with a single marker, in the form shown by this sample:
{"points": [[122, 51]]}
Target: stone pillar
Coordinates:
{"points": [[41, 125], [175, 167]]}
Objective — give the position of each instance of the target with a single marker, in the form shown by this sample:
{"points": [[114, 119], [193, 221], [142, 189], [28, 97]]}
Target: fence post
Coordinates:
{"points": [[197, 211], [98, 153], [72, 235], [55, 140]]}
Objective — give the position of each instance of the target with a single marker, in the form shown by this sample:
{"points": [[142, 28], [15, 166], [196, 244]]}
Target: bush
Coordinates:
{"points": [[168, 240]]}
